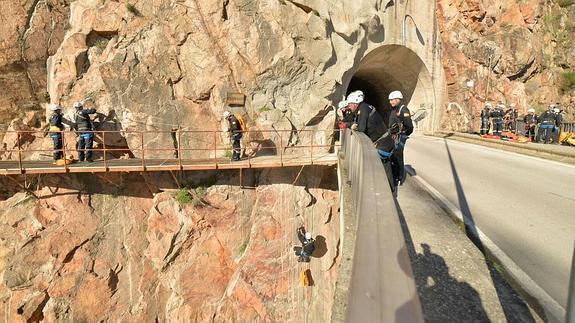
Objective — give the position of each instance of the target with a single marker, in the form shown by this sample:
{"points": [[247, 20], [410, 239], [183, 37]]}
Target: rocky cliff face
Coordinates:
{"points": [[118, 248], [158, 65], [515, 51], [31, 32]]}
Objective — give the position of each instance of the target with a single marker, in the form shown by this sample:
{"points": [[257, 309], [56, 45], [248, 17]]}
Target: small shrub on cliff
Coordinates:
{"points": [[243, 247], [183, 196], [565, 3], [567, 82], [132, 9]]}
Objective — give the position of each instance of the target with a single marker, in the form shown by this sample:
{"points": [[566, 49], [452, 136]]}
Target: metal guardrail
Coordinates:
{"points": [[177, 146], [382, 287], [570, 317]]}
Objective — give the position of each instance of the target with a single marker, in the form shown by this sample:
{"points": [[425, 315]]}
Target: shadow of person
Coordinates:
{"points": [[114, 138], [320, 247], [444, 299]]}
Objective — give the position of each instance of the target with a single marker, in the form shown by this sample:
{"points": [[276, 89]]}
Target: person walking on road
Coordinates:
{"points": [[85, 128], [399, 119]]}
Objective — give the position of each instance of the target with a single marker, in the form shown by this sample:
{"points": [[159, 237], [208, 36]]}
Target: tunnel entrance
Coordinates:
{"points": [[394, 67]]}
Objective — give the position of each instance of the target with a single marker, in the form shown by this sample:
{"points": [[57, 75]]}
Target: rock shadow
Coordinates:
{"points": [[320, 247]]}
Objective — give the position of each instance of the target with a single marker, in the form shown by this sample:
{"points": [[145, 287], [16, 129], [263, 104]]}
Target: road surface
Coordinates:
{"points": [[525, 205]]}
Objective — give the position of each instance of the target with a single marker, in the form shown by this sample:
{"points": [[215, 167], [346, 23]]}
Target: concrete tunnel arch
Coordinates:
{"points": [[395, 67]]}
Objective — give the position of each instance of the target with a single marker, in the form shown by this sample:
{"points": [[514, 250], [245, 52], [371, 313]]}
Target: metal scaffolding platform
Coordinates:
{"points": [[174, 156]]}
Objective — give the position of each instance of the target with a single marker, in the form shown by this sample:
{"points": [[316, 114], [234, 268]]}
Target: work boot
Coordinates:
{"points": [[300, 259]]}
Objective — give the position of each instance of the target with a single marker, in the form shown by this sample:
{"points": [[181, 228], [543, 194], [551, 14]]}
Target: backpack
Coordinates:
{"points": [[242, 122], [54, 127]]}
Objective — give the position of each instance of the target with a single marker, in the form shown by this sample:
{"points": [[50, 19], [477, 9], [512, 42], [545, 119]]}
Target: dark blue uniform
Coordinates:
{"points": [[84, 128], [497, 118], [546, 126], [236, 134], [56, 126], [400, 119]]}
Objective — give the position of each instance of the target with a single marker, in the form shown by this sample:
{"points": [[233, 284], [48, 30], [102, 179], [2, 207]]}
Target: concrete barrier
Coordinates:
{"points": [[382, 286]]}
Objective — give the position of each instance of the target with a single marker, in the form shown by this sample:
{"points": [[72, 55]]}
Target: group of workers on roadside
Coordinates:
{"points": [[544, 128], [83, 126], [388, 130]]}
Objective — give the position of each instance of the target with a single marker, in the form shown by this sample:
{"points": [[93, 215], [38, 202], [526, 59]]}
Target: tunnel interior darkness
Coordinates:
{"points": [[389, 68]]}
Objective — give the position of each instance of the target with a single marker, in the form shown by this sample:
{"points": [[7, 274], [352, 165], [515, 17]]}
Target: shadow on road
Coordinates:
{"points": [[514, 308], [443, 298]]}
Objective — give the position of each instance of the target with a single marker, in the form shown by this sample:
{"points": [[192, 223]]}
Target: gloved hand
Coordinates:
{"points": [[354, 127], [394, 128]]}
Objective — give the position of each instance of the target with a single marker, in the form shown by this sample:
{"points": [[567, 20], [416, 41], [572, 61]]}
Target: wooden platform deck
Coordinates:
{"points": [[150, 165]]}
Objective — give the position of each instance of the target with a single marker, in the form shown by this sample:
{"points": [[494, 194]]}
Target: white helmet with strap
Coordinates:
{"points": [[395, 95], [355, 97]]}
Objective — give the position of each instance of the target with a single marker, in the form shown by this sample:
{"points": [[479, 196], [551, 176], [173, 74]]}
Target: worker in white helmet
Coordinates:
{"points": [[235, 131], [56, 128], [307, 245], [485, 118], [370, 122], [558, 123], [530, 121], [497, 115], [547, 122], [85, 129], [345, 114], [400, 119]]}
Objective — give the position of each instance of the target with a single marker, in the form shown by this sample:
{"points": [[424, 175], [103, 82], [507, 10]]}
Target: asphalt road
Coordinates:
{"points": [[525, 205]]}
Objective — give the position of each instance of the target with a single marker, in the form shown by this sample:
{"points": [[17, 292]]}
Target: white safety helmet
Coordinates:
{"points": [[556, 110], [355, 97], [488, 105], [342, 104], [55, 107], [78, 105], [308, 235], [531, 110], [512, 105], [395, 95], [227, 114]]}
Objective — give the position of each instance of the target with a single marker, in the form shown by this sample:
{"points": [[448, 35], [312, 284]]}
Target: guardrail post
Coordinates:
{"points": [[104, 145], [143, 151], [570, 317], [281, 149], [64, 151], [215, 149], [19, 153], [311, 149], [180, 150]]}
